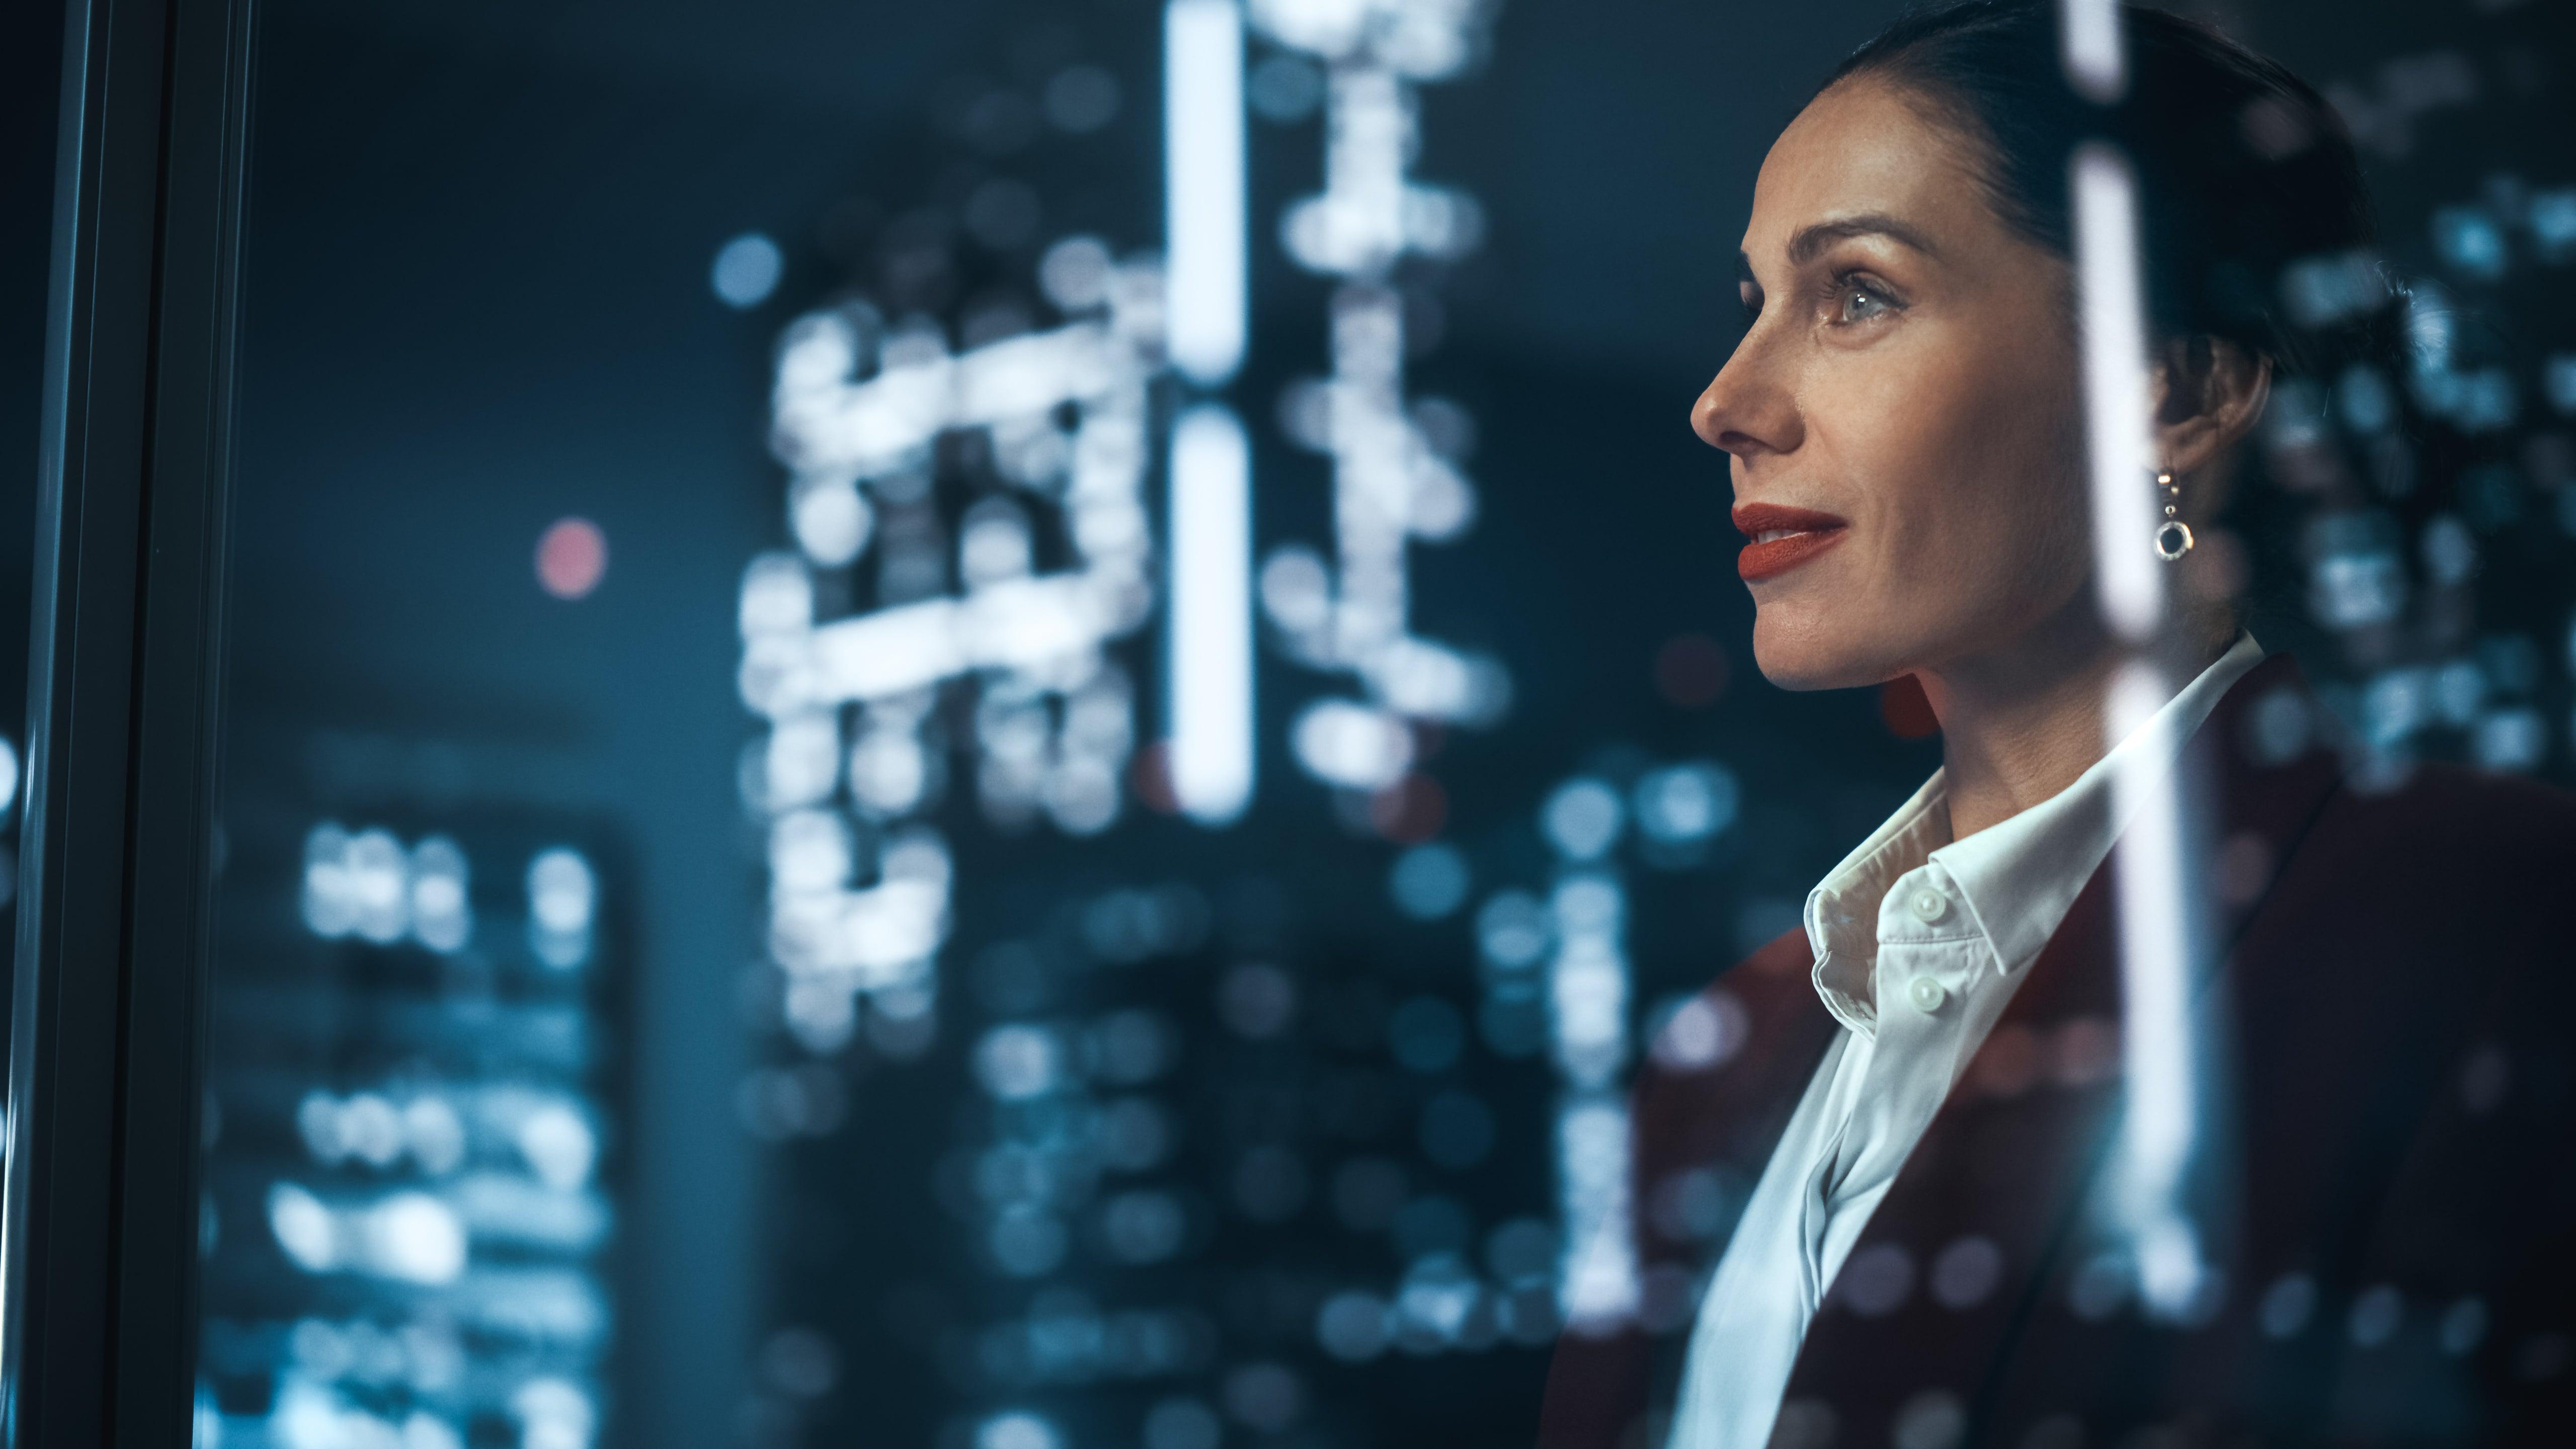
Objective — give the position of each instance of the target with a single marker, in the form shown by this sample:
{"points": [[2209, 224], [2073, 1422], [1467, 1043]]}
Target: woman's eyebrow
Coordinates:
{"points": [[1813, 239]]}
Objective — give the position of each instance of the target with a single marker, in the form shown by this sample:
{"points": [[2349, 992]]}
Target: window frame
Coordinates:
{"points": [[105, 1125]]}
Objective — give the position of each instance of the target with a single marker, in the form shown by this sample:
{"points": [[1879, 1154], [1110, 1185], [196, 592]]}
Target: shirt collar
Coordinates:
{"points": [[2020, 876], [1842, 911]]}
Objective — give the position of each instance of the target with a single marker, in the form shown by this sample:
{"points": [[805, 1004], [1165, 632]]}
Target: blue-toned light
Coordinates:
{"points": [[2558, 382], [1512, 929], [1429, 881], [746, 270], [1686, 803], [2470, 241], [1583, 818]]}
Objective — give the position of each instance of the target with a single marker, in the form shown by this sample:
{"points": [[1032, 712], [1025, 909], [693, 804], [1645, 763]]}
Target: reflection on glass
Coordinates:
{"points": [[1019, 779]]}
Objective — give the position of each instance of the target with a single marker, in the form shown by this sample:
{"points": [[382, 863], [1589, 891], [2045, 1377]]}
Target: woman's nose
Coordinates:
{"points": [[1744, 409]]}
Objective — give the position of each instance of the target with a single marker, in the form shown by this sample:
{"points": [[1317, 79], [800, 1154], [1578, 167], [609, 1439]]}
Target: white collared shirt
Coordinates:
{"points": [[1920, 941]]}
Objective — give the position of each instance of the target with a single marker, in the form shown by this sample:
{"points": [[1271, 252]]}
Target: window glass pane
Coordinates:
{"points": [[1014, 726]]}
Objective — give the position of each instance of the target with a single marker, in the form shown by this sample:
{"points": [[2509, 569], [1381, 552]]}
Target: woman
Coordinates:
{"points": [[1906, 1160]]}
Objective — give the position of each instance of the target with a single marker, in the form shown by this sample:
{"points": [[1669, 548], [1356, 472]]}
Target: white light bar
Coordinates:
{"points": [[2130, 580], [1210, 669], [1204, 187], [823, 422], [2158, 916], [2090, 49], [2159, 920], [1017, 624]]}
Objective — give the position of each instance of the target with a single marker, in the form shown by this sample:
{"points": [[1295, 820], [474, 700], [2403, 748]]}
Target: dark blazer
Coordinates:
{"points": [[2396, 980]]}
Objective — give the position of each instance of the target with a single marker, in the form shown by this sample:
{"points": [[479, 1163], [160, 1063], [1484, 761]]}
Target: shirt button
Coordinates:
{"points": [[1926, 993], [1930, 905]]}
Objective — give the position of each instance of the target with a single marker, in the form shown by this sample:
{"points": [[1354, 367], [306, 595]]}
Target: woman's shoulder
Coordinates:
{"points": [[2443, 822], [2451, 878]]}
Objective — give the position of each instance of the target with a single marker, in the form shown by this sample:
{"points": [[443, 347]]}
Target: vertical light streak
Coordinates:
{"points": [[2114, 330], [2157, 915], [2157, 924], [1203, 187], [1211, 616], [2090, 49]]}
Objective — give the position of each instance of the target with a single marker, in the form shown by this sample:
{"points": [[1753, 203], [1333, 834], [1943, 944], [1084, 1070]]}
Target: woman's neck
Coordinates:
{"points": [[2018, 725]]}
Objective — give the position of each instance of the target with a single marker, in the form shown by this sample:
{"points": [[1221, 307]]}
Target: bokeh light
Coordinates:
{"points": [[746, 270], [572, 557]]}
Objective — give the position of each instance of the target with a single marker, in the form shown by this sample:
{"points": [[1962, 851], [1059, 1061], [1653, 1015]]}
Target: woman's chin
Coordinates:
{"points": [[1802, 656]]}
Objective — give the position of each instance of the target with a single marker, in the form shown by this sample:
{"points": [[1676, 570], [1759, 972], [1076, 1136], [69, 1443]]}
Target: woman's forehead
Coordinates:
{"points": [[1862, 149]]}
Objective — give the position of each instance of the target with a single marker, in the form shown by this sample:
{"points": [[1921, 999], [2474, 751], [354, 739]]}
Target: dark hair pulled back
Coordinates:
{"points": [[2242, 168]]}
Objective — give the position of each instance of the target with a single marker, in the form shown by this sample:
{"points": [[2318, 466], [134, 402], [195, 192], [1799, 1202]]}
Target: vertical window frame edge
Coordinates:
{"points": [[102, 1226]]}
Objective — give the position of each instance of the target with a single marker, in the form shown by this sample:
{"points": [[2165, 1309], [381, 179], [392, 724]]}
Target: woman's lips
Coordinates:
{"points": [[1783, 538]]}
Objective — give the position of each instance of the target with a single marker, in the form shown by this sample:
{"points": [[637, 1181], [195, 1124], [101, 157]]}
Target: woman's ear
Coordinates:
{"points": [[2209, 392]]}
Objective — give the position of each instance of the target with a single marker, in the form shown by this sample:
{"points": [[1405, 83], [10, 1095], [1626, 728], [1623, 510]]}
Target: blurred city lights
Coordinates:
{"points": [[1352, 745], [405, 1236], [1582, 819], [856, 409], [367, 885], [1684, 804], [562, 900], [1391, 482], [434, 1190]]}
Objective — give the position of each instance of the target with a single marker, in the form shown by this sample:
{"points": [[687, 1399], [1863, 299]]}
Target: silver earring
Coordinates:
{"points": [[2173, 536]]}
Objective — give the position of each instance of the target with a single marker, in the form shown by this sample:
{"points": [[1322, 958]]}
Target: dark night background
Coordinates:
{"points": [[477, 301]]}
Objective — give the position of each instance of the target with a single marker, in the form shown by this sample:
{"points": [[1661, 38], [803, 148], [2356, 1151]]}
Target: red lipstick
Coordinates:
{"points": [[1783, 538]]}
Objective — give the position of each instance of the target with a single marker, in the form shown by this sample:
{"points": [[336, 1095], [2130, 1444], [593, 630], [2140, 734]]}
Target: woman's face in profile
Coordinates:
{"points": [[1903, 414]]}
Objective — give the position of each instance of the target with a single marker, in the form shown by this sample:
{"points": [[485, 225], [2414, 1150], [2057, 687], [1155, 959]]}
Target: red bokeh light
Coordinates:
{"points": [[1149, 776], [1411, 810], [1690, 670], [572, 557]]}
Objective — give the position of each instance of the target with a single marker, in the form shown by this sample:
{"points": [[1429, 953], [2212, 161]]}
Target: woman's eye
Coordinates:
{"points": [[1860, 304]]}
